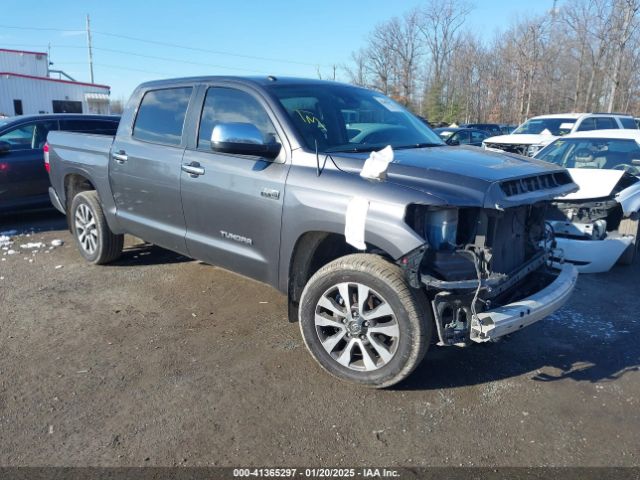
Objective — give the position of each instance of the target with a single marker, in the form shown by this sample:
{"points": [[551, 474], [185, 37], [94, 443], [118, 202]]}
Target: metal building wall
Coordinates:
{"points": [[27, 63], [37, 94]]}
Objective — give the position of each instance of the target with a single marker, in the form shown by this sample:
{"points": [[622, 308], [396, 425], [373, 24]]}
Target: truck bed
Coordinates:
{"points": [[78, 153]]}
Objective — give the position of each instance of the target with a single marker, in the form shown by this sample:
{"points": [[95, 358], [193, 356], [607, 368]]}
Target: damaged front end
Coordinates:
{"points": [[486, 271], [594, 234]]}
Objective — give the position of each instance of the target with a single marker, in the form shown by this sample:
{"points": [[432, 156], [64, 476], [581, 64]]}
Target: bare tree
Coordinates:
{"points": [[624, 26], [583, 56]]}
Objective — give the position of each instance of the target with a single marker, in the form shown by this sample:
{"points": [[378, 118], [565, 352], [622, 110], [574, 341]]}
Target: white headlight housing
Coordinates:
{"points": [[533, 149]]}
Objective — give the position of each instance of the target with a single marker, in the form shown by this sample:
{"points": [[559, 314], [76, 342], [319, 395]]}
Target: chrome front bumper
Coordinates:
{"points": [[514, 316]]}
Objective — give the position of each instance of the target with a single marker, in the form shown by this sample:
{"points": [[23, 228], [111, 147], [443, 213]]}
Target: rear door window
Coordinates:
{"points": [[628, 122], [605, 123], [161, 115]]}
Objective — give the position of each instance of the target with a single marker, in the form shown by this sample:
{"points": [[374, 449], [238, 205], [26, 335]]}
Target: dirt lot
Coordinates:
{"points": [[160, 360]]}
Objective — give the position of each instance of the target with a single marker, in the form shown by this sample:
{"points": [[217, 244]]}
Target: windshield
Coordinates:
{"points": [[341, 118], [594, 153], [549, 126]]}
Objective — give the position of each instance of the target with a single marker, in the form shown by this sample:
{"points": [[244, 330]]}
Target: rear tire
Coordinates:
{"points": [[95, 240], [375, 338]]}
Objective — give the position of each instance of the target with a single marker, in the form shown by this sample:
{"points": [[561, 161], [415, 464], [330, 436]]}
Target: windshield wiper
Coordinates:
{"points": [[419, 145], [352, 149]]}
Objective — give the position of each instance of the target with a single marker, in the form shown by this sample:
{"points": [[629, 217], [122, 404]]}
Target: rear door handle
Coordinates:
{"points": [[194, 169], [120, 157]]}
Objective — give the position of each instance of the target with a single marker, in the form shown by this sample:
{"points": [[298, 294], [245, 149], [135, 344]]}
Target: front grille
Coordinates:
{"points": [[505, 147], [536, 183]]}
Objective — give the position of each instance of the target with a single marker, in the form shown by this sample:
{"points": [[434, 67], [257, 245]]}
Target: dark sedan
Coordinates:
{"points": [[24, 182], [492, 128], [462, 136]]}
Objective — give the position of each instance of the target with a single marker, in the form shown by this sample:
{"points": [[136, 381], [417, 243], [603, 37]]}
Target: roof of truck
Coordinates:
{"points": [[255, 80]]}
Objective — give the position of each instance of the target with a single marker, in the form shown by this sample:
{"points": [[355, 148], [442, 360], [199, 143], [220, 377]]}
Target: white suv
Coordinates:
{"points": [[538, 132]]}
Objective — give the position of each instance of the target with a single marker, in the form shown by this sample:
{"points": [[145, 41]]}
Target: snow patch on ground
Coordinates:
{"points": [[5, 242], [593, 325], [32, 245]]}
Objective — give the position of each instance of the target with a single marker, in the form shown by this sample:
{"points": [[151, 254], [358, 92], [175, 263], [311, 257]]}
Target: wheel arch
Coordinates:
{"points": [[76, 181], [311, 252]]}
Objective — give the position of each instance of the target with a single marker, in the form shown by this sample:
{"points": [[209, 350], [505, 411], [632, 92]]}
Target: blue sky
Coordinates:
{"points": [[289, 37]]}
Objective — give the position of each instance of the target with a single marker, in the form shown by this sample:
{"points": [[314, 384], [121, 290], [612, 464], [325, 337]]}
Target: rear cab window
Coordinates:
{"points": [[94, 126], [161, 115]]}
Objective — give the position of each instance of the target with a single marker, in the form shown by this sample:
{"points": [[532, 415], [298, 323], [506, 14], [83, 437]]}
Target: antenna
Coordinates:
{"points": [[89, 48]]}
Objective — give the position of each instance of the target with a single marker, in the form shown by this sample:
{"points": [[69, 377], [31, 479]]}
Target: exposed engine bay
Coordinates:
{"points": [[479, 259], [597, 227], [585, 220]]}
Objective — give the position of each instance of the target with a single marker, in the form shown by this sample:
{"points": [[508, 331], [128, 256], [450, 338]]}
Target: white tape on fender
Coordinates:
{"points": [[376, 165], [355, 221]]}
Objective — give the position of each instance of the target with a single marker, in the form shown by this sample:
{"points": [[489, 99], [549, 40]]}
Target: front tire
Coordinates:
{"points": [[362, 322], [95, 240]]}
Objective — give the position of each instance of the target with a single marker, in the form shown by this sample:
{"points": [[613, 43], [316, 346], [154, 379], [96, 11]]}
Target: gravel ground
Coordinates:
{"points": [[161, 360]]}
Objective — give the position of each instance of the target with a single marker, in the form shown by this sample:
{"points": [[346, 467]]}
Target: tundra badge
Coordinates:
{"points": [[270, 193], [236, 238]]}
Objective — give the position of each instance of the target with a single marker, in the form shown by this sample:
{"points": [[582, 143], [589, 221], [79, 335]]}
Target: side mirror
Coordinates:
{"points": [[454, 142], [5, 147], [242, 139]]}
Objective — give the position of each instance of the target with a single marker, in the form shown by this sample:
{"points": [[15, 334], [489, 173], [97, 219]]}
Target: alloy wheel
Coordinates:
{"points": [[356, 326], [86, 229]]}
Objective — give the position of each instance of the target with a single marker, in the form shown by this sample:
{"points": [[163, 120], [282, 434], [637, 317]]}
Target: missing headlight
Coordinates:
{"points": [[446, 228], [441, 228]]}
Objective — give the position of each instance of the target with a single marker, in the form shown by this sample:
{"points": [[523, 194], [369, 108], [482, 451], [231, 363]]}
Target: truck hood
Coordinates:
{"points": [[593, 183], [467, 175], [521, 139]]}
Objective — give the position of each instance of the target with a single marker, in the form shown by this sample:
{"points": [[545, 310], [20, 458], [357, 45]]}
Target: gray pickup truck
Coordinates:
{"points": [[265, 177]]}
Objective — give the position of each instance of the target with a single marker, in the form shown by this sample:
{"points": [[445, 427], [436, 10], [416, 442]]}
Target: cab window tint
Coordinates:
{"points": [[229, 105], [100, 127], [161, 115]]}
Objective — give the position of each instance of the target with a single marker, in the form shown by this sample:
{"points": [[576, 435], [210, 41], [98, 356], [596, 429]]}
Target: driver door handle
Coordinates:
{"points": [[120, 156], [194, 169]]}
